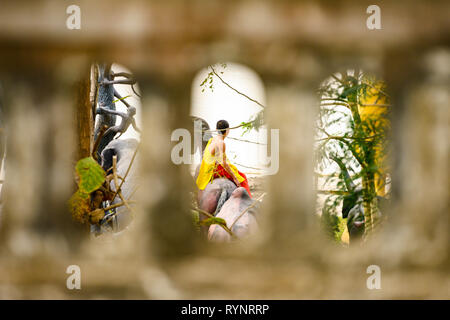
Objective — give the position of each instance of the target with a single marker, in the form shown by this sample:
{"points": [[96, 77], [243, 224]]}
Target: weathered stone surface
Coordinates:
{"points": [[293, 46]]}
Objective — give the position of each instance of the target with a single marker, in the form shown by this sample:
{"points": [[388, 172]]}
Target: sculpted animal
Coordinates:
{"points": [[127, 120], [124, 150], [219, 190], [231, 210], [352, 206], [106, 111], [212, 198], [353, 210], [218, 195], [105, 100]]}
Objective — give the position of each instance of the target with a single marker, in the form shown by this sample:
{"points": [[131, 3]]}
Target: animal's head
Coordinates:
{"points": [[355, 220], [119, 148], [353, 210], [240, 193], [350, 201], [107, 159]]}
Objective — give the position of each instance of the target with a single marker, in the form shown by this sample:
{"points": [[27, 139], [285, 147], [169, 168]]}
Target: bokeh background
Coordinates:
{"points": [[292, 47]]}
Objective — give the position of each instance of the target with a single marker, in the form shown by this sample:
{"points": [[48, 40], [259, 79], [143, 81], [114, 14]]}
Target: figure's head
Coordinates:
{"points": [[132, 111], [223, 127]]}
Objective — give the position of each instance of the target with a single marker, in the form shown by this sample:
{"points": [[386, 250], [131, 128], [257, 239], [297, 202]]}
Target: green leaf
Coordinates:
{"points": [[333, 225], [91, 175], [214, 220]]}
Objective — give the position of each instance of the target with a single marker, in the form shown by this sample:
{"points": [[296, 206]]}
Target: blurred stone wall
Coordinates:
{"points": [[293, 46]]}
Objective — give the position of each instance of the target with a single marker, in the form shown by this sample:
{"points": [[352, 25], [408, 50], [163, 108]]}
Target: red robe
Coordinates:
{"points": [[220, 172]]}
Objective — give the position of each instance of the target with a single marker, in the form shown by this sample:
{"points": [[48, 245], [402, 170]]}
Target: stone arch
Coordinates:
{"points": [[351, 150]]}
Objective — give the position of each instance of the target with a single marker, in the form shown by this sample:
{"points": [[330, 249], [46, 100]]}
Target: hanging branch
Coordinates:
{"points": [[240, 93], [231, 128], [248, 141], [229, 86], [247, 166], [345, 137], [348, 144], [131, 80]]}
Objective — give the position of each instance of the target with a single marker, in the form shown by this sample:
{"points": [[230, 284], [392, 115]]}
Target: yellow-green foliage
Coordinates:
{"points": [[91, 176], [213, 220], [333, 225], [79, 206]]}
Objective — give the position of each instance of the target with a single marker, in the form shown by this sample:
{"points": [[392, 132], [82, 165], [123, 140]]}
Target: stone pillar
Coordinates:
{"points": [[167, 187], [39, 103], [289, 203]]}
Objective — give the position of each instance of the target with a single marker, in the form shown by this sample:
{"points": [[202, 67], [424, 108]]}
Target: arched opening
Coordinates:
{"points": [[352, 177], [214, 100], [108, 174], [235, 93]]}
